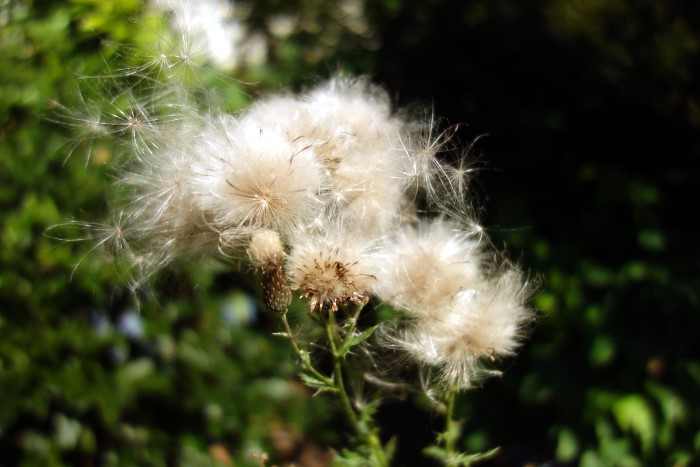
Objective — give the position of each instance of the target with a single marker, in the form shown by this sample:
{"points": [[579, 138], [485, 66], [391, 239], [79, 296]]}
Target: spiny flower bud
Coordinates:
{"points": [[276, 293], [267, 253]]}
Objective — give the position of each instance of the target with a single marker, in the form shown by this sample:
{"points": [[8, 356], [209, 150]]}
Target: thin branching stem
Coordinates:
{"points": [[331, 333], [368, 435], [302, 354], [355, 316]]}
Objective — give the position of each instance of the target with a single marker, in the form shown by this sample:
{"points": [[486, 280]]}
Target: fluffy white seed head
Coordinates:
{"points": [[425, 268], [163, 203], [250, 175], [367, 197], [343, 118], [485, 323], [334, 174], [351, 114], [351, 129], [284, 112]]}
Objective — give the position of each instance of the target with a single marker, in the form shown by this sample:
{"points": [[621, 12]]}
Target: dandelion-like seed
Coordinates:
{"points": [[136, 123], [425, 267], [250, 176], [423, 170], [86, 122], [209, 23], [481, 325]]}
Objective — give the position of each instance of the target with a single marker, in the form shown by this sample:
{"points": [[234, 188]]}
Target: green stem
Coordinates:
{"points": [[303, 355], [369, 436], [335, 341], [450, 437], [355, 316], [338, 372]]}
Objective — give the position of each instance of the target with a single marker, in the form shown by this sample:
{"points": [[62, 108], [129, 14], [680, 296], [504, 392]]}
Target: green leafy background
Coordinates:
{"points": [[588, 176]]}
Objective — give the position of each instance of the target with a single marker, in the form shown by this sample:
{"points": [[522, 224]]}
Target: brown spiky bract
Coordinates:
{"points": [[277, 296]]}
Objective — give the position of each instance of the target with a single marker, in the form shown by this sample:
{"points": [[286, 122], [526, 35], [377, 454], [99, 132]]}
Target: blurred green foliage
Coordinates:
{"points": [[90, 374], [589, 176]]}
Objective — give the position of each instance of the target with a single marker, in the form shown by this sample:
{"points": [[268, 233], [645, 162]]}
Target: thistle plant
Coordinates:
{"points": [[336, 197]]}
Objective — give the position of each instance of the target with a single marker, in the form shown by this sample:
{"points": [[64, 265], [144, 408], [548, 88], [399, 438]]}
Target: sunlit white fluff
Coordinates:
{"points": [[368, 198], [424, 172], [208, 25], [163, 202], [352, 130], [484, 323], [352, 114], [425, 268], [346, 119], [459, 309], [265, 249], [329, 191], [357, 132], [251, 175]]}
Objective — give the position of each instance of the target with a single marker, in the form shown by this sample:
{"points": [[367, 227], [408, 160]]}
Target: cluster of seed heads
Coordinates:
{"points": [[332, 193]]}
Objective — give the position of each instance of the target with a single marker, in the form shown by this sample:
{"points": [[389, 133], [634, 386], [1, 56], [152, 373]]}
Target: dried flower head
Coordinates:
{"points": [[331, 269], [266, 252]]}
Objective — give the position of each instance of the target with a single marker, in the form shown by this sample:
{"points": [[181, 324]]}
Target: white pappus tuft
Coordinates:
{"points": [[457, 314], [250, 175], [480, 324], [425, 267]]}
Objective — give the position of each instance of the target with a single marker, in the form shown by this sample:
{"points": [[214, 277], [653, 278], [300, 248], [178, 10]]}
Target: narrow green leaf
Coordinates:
{"points": [[316, 383], [469, 459], [463, 459], [435, 452], [354, 340], [350, 459]]}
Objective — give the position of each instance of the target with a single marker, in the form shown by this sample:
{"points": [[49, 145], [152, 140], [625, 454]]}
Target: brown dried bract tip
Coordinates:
{"points": [[329, 284], [276, 293]]}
